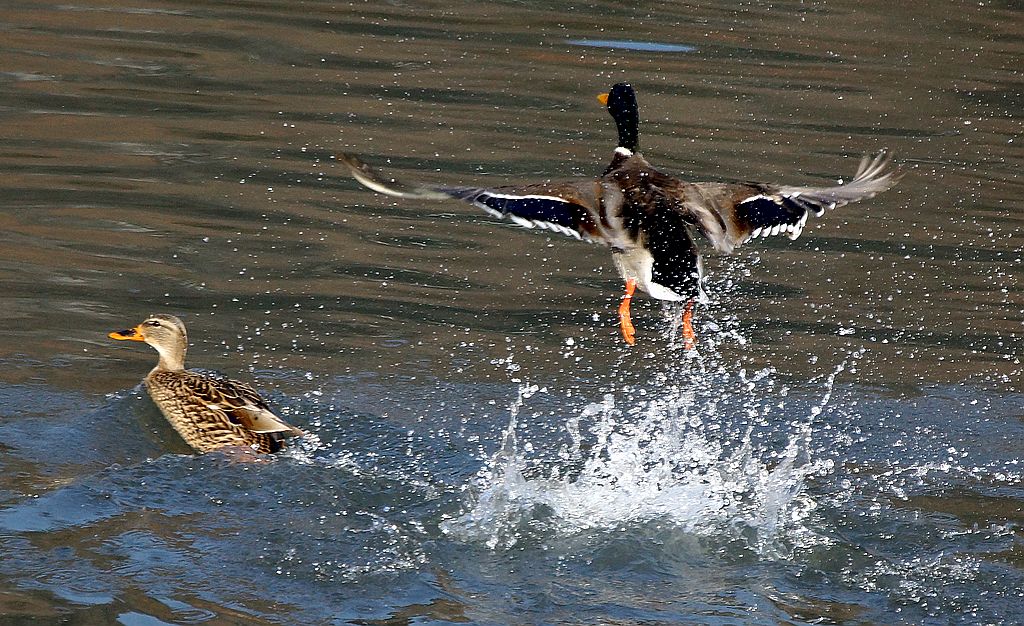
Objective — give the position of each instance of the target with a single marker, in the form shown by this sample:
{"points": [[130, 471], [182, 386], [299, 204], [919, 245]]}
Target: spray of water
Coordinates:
{"points": [[686, 456]]}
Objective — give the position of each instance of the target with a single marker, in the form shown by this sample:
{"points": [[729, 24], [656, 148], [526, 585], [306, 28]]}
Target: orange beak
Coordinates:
{"points": [[603, 99], [132, 334]]}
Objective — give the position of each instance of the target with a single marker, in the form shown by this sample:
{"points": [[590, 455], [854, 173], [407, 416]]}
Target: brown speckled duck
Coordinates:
{"points": [[651, 220], [208, 411]]}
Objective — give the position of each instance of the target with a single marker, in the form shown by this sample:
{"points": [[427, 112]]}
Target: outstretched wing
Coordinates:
{"points": [[562, 207], [730, 215]]}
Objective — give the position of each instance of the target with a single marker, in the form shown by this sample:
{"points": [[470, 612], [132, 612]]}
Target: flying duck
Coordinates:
{"points": [[208, 411], [649, 219]]}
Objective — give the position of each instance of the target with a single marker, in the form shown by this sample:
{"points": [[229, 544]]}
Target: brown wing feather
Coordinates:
{"points": [[238, 402], [243, 405], [729, 215], [566, 207]]}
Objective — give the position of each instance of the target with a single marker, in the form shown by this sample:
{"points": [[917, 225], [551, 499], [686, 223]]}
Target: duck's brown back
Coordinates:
{"points": [[205, 411]]}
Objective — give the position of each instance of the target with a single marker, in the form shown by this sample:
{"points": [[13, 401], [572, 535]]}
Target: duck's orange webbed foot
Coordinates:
{"points": [[625, 324], [689, 337]]}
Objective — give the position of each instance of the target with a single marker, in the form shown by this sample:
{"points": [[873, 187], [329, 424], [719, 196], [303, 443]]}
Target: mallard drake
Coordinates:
{"points": [[208, 411], [651, 220]]}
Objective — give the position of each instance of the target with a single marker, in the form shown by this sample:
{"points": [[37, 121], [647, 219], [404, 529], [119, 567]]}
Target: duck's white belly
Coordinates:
{"points": [[637, 264]]}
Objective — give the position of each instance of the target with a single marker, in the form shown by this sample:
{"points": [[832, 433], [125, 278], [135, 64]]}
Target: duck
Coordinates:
{"points": [[208, 411], [651, 221]]}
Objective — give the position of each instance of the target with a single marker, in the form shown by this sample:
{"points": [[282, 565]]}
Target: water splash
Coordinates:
{"points": [[683, 455]]}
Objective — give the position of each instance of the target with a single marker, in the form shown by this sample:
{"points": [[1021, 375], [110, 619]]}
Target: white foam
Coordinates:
{"points": [[657, 460]]}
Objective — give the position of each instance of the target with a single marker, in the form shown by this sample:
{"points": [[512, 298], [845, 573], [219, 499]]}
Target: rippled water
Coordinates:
{"points": [[843, 447]]}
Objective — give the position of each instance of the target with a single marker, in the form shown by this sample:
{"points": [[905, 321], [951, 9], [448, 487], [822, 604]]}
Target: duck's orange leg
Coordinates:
{"points": [[689, 337], [625, 324]]}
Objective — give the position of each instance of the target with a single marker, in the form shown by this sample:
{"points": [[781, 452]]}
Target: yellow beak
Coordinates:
{"points": [[132, 334], [603, 99]]}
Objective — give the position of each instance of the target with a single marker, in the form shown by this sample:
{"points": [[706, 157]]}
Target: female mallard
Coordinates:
{"points": [[208, 411], [650, 219]]}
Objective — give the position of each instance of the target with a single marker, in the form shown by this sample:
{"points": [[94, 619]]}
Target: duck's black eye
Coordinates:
{"points": [[152, 323]]}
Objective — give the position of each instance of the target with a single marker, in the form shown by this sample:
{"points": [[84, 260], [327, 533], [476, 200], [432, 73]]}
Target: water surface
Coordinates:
{"points": [[843, 447]]}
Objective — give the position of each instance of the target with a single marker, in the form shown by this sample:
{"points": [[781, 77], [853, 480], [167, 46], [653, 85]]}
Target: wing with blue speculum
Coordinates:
{"points": [[562, 207], [558, 207], [729, 215]]}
